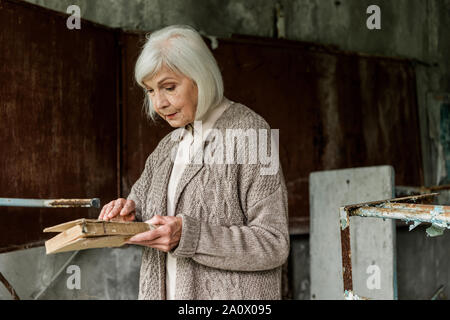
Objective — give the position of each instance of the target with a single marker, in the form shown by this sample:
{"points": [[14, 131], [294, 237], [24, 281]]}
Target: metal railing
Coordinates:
{"points": [[404, 208]]}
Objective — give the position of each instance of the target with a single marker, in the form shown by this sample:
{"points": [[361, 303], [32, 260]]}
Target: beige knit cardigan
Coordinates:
{"points": [[235, 222]]}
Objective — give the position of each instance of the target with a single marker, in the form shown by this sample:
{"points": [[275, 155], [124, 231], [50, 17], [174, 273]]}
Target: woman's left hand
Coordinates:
{"points": [[165, 237]]}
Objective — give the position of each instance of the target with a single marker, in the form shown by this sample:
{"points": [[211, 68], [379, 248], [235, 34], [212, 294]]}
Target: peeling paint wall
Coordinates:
{"points": [[410, 28], [35, 275], [424, 264]]}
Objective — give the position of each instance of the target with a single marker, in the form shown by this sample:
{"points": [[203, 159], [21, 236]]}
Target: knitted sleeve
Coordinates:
{"points": [[261, 244]]}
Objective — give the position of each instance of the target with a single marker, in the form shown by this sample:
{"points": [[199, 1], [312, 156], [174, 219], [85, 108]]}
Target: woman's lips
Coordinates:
{"points": [[171, 115]]}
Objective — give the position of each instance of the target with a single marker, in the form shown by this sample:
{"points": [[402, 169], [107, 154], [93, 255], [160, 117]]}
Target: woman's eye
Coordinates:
{"points": [[170, 88], [150, 91]]}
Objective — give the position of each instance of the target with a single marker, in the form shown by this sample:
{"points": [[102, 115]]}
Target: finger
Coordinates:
{"points": [[108, 209], [152, 226], [117, 207], [100, 216], [141, 243], [157, 219], [161, 247], [130, 217], [145, 236], [104, 210], [162, 241], [127, 218], [156, 244], [128, 208], [102, 213]]}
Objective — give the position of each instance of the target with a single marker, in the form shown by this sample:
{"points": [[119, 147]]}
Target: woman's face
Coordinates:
{"points": [[174, 97]]}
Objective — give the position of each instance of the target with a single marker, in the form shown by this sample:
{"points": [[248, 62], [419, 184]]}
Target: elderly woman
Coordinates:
{"points": [[222, 226]]}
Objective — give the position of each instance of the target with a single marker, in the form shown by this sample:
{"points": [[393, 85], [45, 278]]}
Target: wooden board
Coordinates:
{"points": [[58, 111], [91, 243], [95, 226], [88, 233]]}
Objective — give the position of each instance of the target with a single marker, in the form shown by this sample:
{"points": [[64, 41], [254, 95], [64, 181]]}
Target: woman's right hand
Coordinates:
{"points": [[120, 209]]}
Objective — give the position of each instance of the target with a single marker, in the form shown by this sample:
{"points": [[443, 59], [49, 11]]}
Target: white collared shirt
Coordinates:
{"points": [[186, 149]]}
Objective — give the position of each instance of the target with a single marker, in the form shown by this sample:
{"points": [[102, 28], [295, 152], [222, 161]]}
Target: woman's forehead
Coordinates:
{"points": [[161, 75]]}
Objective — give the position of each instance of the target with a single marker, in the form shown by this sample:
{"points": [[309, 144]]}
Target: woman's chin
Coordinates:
{"points": [[175, 123]]}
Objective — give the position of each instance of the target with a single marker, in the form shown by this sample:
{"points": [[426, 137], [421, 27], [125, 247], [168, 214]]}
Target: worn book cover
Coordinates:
{"points": [[90, 233]]}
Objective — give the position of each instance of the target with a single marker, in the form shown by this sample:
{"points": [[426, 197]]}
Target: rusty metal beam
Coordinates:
{"points": [[401, 191], [413, 212], [50, 203], [346, 259], [22, 246], [402, 208], [9, 287], [413, 198]]}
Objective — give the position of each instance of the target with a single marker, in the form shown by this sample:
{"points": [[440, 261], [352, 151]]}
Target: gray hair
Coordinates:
{"points": [[181, 49]]}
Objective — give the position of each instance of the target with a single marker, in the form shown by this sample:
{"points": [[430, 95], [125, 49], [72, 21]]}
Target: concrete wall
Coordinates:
{"points": [[410, 28], [35, 275], [372, 240]]}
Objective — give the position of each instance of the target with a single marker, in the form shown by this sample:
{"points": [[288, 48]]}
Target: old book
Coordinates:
{"points": [[90, 233]]}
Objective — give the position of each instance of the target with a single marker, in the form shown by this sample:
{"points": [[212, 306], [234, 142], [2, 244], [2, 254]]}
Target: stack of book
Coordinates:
{"points": [[90, 233]]}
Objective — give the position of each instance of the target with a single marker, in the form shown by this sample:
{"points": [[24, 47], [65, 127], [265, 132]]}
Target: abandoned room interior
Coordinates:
{"points": [[358, 93]]}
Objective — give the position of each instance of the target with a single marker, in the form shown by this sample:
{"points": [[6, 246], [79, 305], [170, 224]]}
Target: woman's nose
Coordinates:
{"points": [[161, 101]]}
